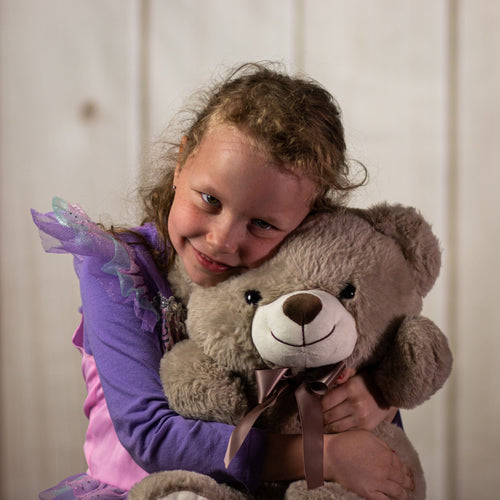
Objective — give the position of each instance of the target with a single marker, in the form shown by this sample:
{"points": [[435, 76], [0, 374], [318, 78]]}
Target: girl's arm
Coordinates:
{"points": [[127, 359]]}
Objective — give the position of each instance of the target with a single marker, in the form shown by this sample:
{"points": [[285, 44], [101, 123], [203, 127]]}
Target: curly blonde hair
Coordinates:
{"points": [[293, 119]]}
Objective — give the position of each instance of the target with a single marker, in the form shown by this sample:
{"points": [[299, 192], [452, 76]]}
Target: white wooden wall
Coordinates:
{"points": [[85, 83]]}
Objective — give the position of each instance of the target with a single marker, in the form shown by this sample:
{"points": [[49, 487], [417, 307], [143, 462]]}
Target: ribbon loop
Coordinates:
{"points": [[267, 380]]}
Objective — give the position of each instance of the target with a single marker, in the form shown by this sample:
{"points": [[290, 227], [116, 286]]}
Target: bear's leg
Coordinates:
{"points": [[183, 495], [161, 485], [329, 491]]}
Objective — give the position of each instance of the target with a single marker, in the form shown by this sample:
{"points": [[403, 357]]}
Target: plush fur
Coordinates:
{"points": [[360, 274]]}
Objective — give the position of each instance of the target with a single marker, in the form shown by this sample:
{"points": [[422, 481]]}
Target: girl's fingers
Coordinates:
{"points": [[400, 474], [333, 398], [346, 374], [395, 491], [340, 425], [402, 478]]}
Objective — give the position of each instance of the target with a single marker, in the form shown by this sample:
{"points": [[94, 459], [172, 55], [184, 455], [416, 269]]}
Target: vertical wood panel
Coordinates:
{"points": [[478, 248], [66, 108], [195, 40], [385, 63]]}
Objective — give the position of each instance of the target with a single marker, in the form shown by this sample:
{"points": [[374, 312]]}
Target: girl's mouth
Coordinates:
{"points": [[210, 264]]}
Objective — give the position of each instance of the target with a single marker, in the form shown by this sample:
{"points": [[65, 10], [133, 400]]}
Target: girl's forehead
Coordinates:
{"points": [[222, 137], [235, 134], [235, 149]]}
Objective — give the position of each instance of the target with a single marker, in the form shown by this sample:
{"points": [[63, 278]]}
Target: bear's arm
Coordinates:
{"points": [[417, 364], [198, 388]]}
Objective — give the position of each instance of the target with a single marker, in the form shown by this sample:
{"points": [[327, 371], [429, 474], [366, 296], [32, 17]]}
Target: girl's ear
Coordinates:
{"points": [[177, 172], [183, 143], [178, 167]]}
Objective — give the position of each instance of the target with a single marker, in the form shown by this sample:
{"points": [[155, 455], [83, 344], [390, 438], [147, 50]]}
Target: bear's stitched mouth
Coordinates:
{"points": [[304, 344]]}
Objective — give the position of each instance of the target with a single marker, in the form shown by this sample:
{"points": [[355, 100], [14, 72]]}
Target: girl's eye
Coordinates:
{"points": [[262, 224], [210, 200], [348, 292]]}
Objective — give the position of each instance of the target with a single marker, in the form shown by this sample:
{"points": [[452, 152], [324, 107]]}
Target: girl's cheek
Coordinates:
{"points": [[264, 252]]}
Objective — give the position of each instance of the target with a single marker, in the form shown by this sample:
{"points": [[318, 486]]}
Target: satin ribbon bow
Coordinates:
{"points": [[271, 384]]}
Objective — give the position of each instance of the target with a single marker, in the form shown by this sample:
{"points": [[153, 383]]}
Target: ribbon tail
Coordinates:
{"points": [[311, 417], [243, 427]]}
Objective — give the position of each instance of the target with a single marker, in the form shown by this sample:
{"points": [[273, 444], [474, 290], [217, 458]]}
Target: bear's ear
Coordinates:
{"points": [[415, 237]]}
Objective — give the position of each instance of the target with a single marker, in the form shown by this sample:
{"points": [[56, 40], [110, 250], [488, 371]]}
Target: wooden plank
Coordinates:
{"points": [[385, 63], [66, 94], [477, 239], [204, 39]]}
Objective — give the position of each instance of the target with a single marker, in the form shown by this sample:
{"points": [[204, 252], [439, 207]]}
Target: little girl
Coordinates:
{"points": [[265, 150]]}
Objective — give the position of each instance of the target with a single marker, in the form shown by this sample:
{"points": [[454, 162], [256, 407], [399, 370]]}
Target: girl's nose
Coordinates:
{"points": [[225, 236]]}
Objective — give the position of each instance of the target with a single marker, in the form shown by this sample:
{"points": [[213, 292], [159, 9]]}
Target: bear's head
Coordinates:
{"points": [[346, 285]]}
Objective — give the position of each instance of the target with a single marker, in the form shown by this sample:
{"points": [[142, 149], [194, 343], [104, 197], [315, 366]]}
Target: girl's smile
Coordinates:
{"points": [[209, 264], [233, 206]]}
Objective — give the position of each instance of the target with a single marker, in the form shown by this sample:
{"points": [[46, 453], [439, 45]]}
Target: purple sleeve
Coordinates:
{"points": [[128, 358]]}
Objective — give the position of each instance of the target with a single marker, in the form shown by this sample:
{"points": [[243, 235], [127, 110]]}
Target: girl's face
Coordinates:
{"points": [[232, 206]]}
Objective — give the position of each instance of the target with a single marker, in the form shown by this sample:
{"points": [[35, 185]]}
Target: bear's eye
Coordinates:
{"points": [[348, 292], [253, 296]]}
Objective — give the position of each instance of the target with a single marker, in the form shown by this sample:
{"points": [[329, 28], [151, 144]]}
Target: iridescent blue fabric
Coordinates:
{"points": [[83, 487], [68, 229]]}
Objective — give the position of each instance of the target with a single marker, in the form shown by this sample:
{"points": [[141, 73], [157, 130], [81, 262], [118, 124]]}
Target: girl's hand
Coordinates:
{"points": [[350, 405], [365, 465]]}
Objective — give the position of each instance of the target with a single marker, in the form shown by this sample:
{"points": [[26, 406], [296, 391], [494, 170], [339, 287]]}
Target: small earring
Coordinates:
{"points": [[174, 187]]}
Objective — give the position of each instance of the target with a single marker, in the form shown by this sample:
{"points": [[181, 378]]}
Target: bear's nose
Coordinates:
{"points": [[302, 308]]}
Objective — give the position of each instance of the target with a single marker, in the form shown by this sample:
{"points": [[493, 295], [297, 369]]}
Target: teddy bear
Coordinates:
{"points": [[346, 287]]}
